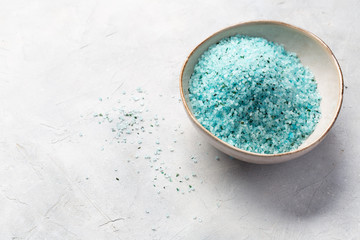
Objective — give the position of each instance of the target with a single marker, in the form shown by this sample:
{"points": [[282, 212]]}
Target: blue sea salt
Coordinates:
{"points": [[254, 95]]}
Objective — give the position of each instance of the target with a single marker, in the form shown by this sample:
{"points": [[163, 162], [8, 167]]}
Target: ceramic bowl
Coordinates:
{"points": [[313, 53]]}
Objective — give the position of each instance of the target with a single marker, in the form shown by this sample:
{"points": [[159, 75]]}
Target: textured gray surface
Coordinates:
{"points": [[57, 58]]}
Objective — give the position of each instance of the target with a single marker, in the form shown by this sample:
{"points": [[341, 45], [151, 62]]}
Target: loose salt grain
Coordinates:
{"points": [[254, 95]]}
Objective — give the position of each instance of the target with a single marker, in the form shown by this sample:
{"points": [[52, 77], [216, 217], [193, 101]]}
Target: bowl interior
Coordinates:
{"points": [[312, 52]]}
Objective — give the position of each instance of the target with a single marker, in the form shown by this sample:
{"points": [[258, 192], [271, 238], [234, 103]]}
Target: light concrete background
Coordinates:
{"points": [[58, 174]]}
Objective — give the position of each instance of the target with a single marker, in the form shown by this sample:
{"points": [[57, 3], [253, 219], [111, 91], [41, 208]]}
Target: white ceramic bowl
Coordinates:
{"points": [[313, 53]]}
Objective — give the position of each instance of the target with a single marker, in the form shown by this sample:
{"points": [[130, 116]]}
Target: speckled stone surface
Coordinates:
{"points": [[60, 179]]}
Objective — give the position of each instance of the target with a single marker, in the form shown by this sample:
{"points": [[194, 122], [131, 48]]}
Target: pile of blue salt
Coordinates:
{"points": [[254, 95]]}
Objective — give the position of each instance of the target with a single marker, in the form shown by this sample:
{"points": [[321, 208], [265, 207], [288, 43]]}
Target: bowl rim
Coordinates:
{"points": [[311, 35]]}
